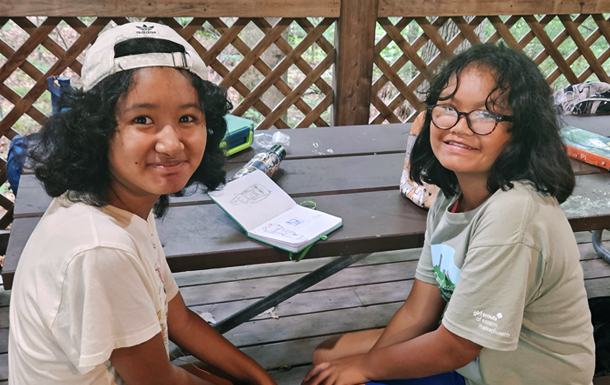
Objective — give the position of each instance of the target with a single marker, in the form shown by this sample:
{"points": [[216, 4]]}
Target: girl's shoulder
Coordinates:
{"points": [[520, 215], [521, 199], [78, 226]]}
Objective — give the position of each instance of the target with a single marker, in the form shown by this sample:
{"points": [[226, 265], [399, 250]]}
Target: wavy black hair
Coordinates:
{"points": [[534, 153], [71, 154]]}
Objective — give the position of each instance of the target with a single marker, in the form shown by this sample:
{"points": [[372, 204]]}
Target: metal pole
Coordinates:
{"points": [[599, 248], [287, 291], [281, 295]]}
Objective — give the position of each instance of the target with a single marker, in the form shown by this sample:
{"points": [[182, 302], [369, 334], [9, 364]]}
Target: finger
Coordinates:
{"points": [[312, 373], [315, 370], [332, 380], [309, 375], [321, 379], [324, 377], [309, 380]]}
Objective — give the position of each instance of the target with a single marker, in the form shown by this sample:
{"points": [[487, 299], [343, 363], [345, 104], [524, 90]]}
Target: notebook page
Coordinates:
{"points": [[252, 199], [297, 226]]}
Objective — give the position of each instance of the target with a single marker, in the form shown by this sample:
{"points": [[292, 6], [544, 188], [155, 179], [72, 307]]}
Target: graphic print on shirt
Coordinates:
{"points": [[446, 272]]}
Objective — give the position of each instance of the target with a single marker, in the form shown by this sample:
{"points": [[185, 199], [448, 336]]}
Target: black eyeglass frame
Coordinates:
{"points": [[499, 118]]}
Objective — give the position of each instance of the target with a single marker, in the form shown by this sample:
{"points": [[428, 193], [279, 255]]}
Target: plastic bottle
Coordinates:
{"points": [[268, 162]]}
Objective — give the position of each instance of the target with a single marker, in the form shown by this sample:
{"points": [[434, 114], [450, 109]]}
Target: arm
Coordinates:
{"points": [[410, 346], [436, 352], [419, 314], [104, 305], [192, 333], [147, 364]]}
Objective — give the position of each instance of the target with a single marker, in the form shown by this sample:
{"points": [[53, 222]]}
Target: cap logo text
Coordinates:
{"points": [[146, 30]]}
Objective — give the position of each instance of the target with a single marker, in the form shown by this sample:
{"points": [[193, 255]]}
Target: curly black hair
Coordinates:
{"points": [[71, 154], [534, 153]]}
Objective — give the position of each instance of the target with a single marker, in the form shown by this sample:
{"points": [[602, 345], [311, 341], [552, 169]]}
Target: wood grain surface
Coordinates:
{"points": [[353, 71], [291, 8], [357, 181]]}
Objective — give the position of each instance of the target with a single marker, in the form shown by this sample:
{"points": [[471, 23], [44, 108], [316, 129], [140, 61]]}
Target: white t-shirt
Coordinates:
{"points": [[90, 280]]}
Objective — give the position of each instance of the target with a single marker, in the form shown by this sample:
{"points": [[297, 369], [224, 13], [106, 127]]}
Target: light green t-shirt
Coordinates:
{"points": [[510, 271]]}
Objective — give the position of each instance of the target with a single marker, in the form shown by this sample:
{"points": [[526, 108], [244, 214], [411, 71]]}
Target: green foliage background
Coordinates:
{"points": [[207, 35]]}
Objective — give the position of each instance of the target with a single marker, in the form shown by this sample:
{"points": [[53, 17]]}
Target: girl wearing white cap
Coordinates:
{"points": [[93, 300]]}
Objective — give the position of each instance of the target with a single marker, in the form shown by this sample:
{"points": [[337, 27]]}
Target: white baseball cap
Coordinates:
{"points": [[101, 63]]}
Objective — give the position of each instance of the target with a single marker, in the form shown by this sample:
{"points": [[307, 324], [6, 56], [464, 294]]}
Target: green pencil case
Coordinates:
{"points": [[240, 132]]}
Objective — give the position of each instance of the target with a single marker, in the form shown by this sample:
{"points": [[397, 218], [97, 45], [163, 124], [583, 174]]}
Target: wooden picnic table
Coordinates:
{"points": [[351, 171]]}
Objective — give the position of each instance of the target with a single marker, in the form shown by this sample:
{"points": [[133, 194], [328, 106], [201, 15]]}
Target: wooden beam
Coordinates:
{"points": [[353, 72], [489, 7], [165, 8], [292, 8]]}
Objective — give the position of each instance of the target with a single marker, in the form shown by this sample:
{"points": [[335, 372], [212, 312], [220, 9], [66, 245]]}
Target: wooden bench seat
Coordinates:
{"points": [[363, 296]]}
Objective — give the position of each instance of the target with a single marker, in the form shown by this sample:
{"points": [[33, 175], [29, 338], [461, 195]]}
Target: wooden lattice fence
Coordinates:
{"points": [[536, 41], [249, 58], [285, 72]]}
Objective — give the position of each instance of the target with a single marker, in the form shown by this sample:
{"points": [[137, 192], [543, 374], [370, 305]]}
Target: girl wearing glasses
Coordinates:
{"points": [[499, 269]]}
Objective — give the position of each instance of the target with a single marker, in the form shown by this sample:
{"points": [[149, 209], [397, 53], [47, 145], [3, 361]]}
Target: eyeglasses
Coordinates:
{"points": [[481, 122]]}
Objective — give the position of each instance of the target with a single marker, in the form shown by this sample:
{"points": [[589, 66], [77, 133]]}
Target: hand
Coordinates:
{"points": [[344, 371]]}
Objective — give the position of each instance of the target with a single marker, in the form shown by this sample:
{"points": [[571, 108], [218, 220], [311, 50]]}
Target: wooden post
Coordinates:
{"points": [[353, 73]]}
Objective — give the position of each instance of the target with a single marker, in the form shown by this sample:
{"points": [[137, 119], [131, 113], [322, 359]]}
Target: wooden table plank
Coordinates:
{"points": [[203, 236], [599, 124], [208, 278], [338, 141], [588, 208], [350, 288], [304, 177], [33, 200], [361, 189], [328, 142], [297, 177], [397, 223], [376, 139], [20, 233], [582, 168], [310, 177], [267, 270]]}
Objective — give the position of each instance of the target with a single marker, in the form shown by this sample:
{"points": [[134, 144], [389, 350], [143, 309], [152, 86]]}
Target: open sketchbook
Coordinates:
{"points": [[270, 215]]}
